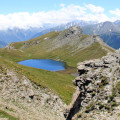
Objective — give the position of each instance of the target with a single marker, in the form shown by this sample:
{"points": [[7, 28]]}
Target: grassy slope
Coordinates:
{"points": [[4, 114], [66, 53], [58, 82]]}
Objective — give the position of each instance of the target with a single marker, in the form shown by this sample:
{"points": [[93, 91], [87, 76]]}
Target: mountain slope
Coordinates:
{"points": [[65, 45], [29, 93], [108, 31], [69, 46], [21, 99], [112, 39]]}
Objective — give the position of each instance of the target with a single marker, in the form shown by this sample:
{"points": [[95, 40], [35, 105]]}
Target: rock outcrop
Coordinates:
{"points": [[98, 88], [23, 99], [72, 32]]}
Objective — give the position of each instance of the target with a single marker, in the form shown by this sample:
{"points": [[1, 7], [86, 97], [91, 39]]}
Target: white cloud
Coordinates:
{"points": [[116, 13], [62, 5], [63, 15], [95, 9]]}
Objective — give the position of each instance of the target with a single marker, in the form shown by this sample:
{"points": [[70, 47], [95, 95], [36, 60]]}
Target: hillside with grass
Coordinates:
{"points": [[23, 99], [70, 46]]}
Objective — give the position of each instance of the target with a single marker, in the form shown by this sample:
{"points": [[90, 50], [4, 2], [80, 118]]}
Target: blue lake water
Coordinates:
{"points": [[45, 64]]}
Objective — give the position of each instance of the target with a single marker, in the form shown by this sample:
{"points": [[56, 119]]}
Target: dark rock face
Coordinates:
{"points": [[96, 84]]}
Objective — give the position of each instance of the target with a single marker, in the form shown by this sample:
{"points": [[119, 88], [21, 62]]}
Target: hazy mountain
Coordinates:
{"points": [[101, 28], [112, 39], [117, 22], [2, 44], [108, 31], [17, 34], [80, 23]]}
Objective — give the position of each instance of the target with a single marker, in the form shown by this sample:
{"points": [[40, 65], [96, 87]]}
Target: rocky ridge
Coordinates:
{"points": [[72, 37], [75, 37], [21, 98], [98, 90]]}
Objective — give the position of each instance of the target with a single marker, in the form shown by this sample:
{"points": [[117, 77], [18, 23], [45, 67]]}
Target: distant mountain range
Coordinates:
{"points": [[117, 22], [17, 34], [108, 31], [65, 26], [2, 44]]}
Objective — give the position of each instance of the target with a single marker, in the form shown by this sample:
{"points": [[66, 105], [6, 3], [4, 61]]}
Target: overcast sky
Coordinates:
{"points": [[35, 13]]}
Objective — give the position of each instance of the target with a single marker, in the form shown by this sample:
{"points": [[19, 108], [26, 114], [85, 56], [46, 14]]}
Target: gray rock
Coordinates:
{"points": [[95, 84]]}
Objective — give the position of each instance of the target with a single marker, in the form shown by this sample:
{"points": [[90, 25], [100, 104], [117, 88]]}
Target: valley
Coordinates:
{"points": [[79, 47], [69, 46], [59, 60]]}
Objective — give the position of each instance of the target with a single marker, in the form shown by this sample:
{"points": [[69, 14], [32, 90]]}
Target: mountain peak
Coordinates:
{"points": [[75, 30]]}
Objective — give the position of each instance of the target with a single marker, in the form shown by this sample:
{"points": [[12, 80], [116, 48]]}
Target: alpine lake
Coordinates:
{"points": [[45, 64]]}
